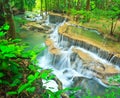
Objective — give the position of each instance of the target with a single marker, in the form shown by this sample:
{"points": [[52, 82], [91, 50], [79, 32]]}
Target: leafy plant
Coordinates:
{"points": [[19, 73]]}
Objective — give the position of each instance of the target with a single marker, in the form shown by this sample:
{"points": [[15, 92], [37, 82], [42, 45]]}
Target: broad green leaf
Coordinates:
{"points": [[4, 65], [1, 74], [52, 95], [37, 74], [23, 87], [16, 40], [8, 49], [31, 89], [30, 77], [2, 34], [10, 55], [6, 27], [12, 93], [32, 67], [45, 74], [51, 77]]}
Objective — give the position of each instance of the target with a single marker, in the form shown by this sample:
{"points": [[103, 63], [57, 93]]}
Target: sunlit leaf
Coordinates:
{"points": [[45, 74], [23, 87], [16, 40], [37, 74], [12, 93], [2, 34], [6, 27], [30, 77], [10, 55], [30, 89]]}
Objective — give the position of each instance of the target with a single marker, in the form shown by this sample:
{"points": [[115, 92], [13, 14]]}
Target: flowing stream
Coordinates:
{"points": [[70, 66]]}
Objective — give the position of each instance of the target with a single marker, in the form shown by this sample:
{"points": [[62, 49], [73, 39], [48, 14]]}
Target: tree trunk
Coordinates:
{"points": [[2, 18], [69, 7], [69, 4], [113, 27], [9, 19], [88, 5], [41, 9], [78, 5], [58, 4], [22, 9], [46, 7]]}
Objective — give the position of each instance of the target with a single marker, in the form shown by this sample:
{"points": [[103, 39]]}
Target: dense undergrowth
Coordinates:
{"points": [[20, 77]]}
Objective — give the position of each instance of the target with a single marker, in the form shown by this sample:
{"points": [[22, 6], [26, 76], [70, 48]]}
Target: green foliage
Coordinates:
{"points": [[30, 4], [58, 93], [115, 78], [23, 5], [92, 4], [18, 72]]}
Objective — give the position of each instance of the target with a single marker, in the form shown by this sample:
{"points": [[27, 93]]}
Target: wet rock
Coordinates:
{"points": [[38, 28], [56, 19], [73, 57], [107, 55], [115, 60], [88, 85], [40, 22], [46, 26], [52, 48], [48, 31]]}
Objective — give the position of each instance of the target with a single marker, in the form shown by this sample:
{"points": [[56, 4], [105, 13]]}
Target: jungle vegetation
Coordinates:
{"points": [[20, 77]]}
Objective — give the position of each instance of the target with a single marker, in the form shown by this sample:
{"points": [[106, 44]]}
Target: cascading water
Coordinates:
{"points": [[67, 65]]}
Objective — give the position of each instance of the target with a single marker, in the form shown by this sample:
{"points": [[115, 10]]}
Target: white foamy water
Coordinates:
{"points": [[62, 66]]}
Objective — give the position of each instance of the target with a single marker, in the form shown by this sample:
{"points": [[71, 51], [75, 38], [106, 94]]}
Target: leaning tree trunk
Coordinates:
{"points": [[9, 19]]}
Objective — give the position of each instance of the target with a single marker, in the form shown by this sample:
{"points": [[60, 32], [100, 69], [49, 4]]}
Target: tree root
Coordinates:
{"points": [[63, 95]]}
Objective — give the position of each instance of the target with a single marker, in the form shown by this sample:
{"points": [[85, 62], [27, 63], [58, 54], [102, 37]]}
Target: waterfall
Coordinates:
{"points": [[69, 64]]}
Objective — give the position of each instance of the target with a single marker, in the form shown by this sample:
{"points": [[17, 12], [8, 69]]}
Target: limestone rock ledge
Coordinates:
{"points": [[107, 53], [51, 47], [98, 69]]}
